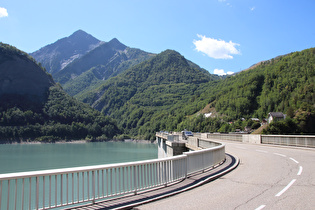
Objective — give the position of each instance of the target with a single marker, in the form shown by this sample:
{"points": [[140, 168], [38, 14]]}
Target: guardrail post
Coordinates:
{"points": [[37, 192], [135, 180], [93, 186], [8, 202]]}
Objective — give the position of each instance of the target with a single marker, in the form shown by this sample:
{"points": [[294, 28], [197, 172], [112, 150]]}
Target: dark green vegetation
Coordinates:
{"points": [[32, 106], [285, 84], [147, 97], [167, 93]]}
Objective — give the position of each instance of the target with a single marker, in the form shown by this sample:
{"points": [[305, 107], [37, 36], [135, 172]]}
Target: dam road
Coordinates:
{"points": [[268, 177]]}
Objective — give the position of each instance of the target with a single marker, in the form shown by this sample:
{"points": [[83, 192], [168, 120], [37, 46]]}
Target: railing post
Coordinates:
{"points": [[82, 186], [0, 192], [203, 161], [78, 184], [93, 186], [37, 192], [15, 198], [88, 185], [30, 193], [67, 185], [50, 191], [43, 192], [8, 202], [135, 179], [166, 172], [61, 188], [186, 166], [56, 191]]}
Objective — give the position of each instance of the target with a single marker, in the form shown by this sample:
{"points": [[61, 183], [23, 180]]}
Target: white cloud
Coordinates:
{"points": [[221, 72], [227, 4], [218, 49], [252, 8], [3, 12]]}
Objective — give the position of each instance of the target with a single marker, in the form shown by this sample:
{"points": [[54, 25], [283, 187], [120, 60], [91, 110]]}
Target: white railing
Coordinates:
{"points": [[63, 187], [199, 160]]}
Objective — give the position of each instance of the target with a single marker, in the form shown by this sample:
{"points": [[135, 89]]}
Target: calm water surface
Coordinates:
{"points": [[31, 157]]}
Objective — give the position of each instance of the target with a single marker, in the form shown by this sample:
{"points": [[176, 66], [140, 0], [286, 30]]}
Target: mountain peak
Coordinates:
{"points": [[115, 43], [80, 34], [58, 55], [80, 31]]}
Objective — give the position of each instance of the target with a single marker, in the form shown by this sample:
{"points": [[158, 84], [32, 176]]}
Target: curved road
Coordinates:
{"points": [[268, 177]]}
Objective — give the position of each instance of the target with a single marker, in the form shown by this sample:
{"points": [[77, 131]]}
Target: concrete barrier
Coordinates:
{"points": [[289, 140], [285, 140]]}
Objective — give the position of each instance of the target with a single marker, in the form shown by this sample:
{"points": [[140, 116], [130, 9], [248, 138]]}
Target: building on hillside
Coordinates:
{"points": [[208, 115], [275, 116]]}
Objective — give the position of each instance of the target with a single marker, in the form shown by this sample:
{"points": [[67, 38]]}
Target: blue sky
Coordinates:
{"points": [[221, 36]]}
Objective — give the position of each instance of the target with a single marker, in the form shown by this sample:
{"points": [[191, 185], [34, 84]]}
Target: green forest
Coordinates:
{"points": [[60, 118], [166, 93], [285, 84], [57, 116]]}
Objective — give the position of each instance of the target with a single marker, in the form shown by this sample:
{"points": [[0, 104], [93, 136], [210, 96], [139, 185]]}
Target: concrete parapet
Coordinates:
{"points": [[204, 135], [202, 141], [191, 147], [289, 140], [251, 138], [175, 148], [229, 137], [168, 148], [205, 143], [173, 138], [193, 141]]}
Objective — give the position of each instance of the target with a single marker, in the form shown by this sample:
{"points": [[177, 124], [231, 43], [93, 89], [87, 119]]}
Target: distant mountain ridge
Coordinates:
{"points": [[81, 62], [58, 55], [111, 58]]}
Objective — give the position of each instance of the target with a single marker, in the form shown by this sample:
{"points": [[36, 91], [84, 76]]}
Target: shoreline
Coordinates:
{"points": [[78, 141]]}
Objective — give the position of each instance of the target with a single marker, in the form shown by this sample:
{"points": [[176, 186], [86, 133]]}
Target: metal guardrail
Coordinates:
{"points": [[199, 160], [64, 187]]}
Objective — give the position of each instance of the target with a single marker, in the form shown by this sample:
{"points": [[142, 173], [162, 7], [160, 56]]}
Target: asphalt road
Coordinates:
{"points": [[268, 177]]}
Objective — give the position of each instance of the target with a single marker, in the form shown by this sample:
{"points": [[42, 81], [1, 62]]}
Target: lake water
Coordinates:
{"points": [[33, 157]]}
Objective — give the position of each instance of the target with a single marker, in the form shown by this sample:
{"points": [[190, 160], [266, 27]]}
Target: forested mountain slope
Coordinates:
{"points": [[284, 84], [166, 93], [141, 97], [22, 81], [32, 106]]}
